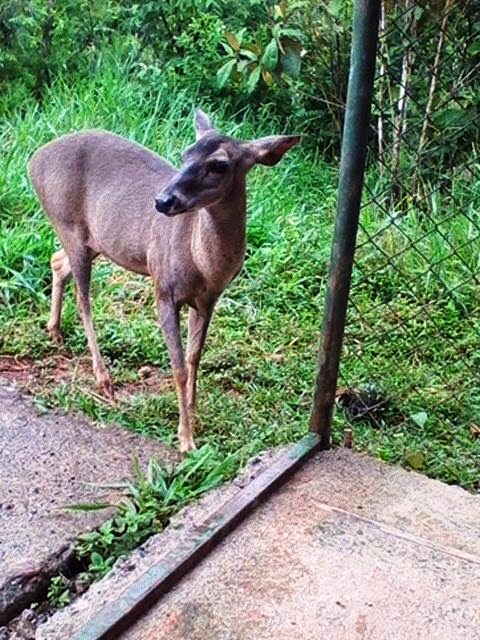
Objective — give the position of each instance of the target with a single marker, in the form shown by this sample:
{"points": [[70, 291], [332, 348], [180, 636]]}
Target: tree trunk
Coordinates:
{"points": [[400, 117], [433, 80], [381, 85]]}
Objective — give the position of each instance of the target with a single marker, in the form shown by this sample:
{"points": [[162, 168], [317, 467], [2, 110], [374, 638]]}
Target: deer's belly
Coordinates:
{"points": [[131, 264]]}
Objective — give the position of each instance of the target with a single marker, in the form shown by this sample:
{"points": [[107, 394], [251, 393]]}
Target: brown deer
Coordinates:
{"points": [[185, 228]]}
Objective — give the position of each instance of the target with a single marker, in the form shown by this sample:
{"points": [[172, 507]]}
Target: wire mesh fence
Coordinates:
{"points": [[411, 358]]}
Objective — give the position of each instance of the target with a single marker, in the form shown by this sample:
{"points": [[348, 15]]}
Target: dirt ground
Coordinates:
{"points": [[38, 375]]}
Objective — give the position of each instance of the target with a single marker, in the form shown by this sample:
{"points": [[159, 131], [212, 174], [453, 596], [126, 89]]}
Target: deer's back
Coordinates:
{"points": [[104, 186]]}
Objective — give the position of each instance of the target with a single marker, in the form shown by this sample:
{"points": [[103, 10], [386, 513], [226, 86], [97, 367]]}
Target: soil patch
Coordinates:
{"points": [[39, 376]]}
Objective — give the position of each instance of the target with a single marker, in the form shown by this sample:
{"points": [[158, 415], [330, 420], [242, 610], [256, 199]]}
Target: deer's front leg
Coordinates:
{"points": [[197, 332], [169, 318]]}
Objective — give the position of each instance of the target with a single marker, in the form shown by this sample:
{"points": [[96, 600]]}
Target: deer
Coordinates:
{"points": [[185, 228]]}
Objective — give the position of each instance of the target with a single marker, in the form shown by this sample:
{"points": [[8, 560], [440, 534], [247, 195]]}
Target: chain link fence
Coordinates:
{"points": [[411, 356]]}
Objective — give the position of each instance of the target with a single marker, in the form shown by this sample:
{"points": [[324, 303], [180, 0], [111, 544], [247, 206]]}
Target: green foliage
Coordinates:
{"points": [[147, 505], [290, 57], [264, 51], [58, 593], [41, 39], [262, 48], [145, 508], [295, 56]]}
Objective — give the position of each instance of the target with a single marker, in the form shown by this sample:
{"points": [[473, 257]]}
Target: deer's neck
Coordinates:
{"points": [[218, 239]]}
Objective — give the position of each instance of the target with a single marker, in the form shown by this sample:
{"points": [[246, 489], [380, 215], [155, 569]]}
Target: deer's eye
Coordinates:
{"points": [[218, 166]]}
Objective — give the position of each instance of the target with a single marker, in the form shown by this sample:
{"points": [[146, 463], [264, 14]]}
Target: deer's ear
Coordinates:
{"points": [[271, 150], [202, 123]]}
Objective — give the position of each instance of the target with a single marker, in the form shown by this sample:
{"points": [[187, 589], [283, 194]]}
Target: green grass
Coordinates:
{"points": [[258, 367]]}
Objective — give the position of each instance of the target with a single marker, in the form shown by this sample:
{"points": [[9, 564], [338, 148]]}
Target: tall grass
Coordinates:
{"points": [[258, 367]]}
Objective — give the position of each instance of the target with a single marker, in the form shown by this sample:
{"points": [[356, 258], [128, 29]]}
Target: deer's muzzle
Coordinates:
{"points": [[166, 204]]}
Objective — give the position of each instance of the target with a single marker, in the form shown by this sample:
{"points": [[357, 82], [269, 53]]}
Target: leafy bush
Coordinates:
{"points": [[288, 57], [231, 51]]}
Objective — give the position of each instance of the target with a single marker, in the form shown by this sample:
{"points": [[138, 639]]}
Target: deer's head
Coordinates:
{"points": [[214, 166]]}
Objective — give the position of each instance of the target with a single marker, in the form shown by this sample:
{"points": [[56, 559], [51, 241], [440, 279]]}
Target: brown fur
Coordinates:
{"points": [[100, 190]]}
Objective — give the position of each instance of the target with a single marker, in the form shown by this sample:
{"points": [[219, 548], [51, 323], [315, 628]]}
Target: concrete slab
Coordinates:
{"points": [[349, 548], [45, 462]]}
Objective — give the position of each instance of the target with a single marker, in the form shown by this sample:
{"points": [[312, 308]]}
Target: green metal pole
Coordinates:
{"points": [[352, 166]]}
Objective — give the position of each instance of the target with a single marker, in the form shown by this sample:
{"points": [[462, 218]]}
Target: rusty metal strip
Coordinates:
{"points": [[116, 617]]}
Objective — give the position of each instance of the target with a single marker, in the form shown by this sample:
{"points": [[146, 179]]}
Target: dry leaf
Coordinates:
{"points": [[475, 430]]}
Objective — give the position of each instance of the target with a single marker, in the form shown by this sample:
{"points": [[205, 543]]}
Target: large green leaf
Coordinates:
{"points": [[270, 55], [223, 74], [249, 53], [253, 79], [232, 41], [291, 61], [419, 418]]}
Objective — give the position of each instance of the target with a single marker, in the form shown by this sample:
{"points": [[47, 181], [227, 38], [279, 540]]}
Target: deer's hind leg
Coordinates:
{"points": [[76, 260], [81, 265], [61, 273]]}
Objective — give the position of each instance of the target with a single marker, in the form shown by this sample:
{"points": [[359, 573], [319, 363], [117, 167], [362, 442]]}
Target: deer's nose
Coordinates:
{"points": [[164, 203]]}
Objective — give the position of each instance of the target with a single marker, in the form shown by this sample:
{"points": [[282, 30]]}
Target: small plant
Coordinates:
{"points": [[58, 593], [148, 503]]}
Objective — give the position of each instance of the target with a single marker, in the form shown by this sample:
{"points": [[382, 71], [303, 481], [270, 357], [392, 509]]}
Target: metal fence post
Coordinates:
{"points": [[352, 165]]}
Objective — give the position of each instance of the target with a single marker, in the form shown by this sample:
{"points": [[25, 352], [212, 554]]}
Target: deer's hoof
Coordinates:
{"points": [[187, 445], [55, 335], [106, 387]]}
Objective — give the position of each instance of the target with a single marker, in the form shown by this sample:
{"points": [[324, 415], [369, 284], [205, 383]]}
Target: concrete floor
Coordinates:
{"points": [[48, 461], [348, 549]]}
